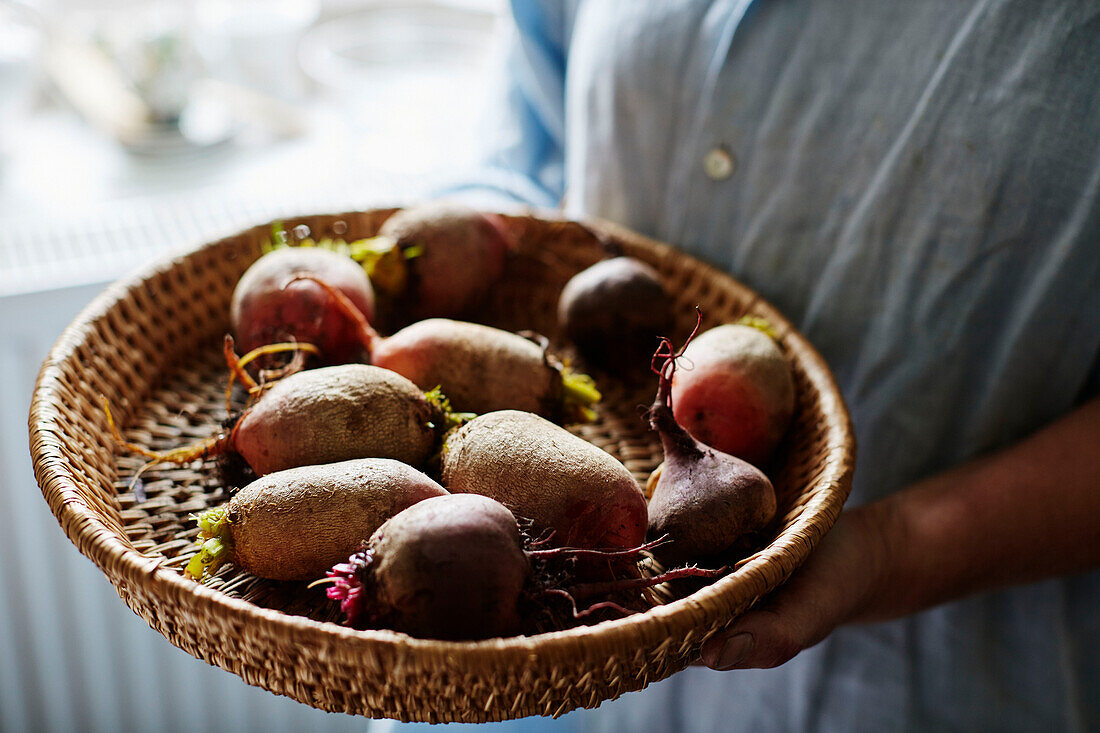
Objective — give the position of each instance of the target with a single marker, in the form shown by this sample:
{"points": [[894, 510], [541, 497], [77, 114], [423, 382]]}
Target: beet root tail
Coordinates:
{"points": [[368, 337]]}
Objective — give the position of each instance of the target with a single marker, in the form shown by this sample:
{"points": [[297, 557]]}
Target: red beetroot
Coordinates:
{"points": [[271, 303]]}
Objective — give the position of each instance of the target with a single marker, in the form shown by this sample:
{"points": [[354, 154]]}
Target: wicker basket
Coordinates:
{"points": [[151, 346]]}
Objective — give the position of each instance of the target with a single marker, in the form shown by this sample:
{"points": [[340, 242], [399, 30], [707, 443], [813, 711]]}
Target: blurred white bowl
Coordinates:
{"points": [[409, 76]]}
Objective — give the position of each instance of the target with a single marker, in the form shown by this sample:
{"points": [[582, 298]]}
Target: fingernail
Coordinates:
{"points": [[736, 648]]}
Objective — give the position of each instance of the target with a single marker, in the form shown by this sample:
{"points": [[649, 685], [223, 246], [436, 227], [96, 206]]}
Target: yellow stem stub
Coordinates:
{"points": [[384, 262], [760, 324], [212, 553], [579, 393], [215, 543]]}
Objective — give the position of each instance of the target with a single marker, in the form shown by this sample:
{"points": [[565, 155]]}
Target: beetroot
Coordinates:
{"points": [[436, 259], [459, 567], [478, 367], [615, 311], [482, 369], [703, 500], [738, 396], [272, 303], [336, 413], [562, 483], [329, 414], [450, 569], [294, 524]]}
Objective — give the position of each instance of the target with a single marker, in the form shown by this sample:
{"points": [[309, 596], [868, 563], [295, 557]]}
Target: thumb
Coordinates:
{"points": [[767, 637]]}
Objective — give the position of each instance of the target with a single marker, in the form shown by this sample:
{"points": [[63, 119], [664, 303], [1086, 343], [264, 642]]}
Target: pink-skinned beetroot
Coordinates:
{"points": [[460, 567], [437, 259], [738, 395]]}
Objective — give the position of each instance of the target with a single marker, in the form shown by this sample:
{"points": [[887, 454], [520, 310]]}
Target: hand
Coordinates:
{"points": [[834, 586], [1022, 514]]}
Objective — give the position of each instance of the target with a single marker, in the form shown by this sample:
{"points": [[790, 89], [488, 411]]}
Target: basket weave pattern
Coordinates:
{"points": [[151, 347]]}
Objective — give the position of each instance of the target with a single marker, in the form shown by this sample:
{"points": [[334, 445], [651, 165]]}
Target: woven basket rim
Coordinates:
{"points": [[97, 540]]}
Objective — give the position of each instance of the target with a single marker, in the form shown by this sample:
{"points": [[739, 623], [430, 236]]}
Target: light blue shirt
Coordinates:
{"points": [[917, 186]]}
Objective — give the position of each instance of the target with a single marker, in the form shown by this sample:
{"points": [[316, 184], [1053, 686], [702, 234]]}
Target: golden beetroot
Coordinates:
{"points": [[482, 369], [479, 368], [329, 414], [336, 413]]}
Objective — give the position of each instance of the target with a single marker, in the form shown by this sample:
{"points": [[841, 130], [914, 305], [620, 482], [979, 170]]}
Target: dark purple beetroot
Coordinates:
{"points": [[459, 567], [452, 569], [704, 500], [616, 311]]}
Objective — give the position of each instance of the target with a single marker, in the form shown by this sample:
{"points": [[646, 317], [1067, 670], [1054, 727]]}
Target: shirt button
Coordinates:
{"points": [[718, 164]]}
